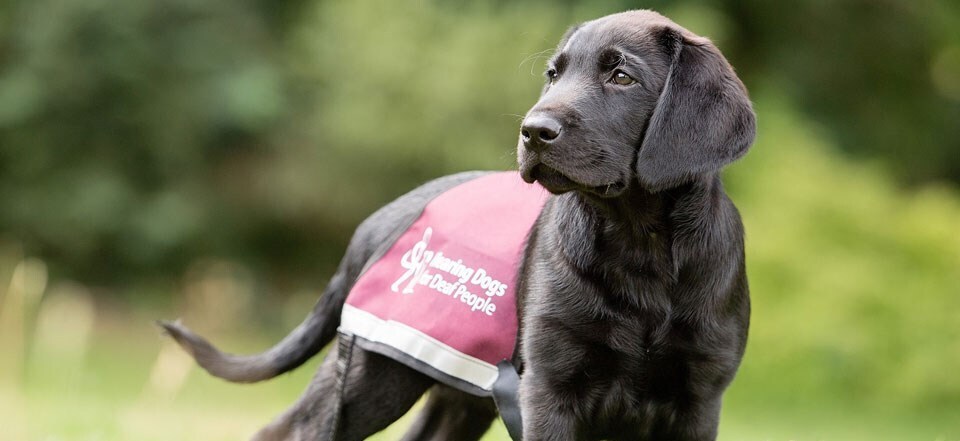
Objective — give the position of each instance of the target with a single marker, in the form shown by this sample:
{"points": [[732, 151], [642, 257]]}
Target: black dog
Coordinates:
{"points": [[632, 293]]}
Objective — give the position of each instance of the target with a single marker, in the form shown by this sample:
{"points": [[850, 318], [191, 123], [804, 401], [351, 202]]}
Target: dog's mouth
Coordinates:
{"points": [[556, 182], [551, 179]]}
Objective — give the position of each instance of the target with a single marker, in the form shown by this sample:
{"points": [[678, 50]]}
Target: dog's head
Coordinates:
{"points": [[634, 99]]}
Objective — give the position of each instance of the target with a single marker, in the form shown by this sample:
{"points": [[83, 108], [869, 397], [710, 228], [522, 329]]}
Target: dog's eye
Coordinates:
{"points": [[622, 79], [551, 74]]}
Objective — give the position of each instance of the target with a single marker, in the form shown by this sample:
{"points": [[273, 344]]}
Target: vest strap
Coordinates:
{"points": [[505, 396], [345, 343]]}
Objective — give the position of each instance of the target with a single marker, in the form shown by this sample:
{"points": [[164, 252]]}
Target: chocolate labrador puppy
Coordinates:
{"points": [[632, 292]]}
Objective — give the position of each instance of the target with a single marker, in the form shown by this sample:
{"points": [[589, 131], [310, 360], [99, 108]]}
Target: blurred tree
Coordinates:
{"points": [[120, 123], [880, 74], [138, 136]]}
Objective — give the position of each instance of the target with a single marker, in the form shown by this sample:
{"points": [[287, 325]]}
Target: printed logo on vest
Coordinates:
{"points": [[451, 277]]}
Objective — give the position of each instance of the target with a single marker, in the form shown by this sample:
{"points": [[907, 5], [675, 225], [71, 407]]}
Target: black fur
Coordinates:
{"points": [[635, 296], [632, 292]]}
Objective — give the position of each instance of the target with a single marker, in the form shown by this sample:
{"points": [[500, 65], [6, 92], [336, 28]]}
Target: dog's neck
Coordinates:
{"points": [[639, 212], [636, 212], [634, 231]]}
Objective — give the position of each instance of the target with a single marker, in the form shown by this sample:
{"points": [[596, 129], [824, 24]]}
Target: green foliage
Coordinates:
{"points": [[884, 77], [138, 136], [120, 121], [854, 282]]}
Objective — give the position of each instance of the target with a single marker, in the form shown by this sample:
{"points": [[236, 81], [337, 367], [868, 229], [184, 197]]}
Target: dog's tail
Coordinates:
{"points": [[318, 329]]}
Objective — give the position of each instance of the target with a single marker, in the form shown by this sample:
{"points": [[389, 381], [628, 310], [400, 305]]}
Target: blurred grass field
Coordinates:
{"points": [[107, 396], [854, 336]]}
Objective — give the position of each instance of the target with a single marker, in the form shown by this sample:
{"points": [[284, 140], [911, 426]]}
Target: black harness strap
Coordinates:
{"points": [[507, 400]]}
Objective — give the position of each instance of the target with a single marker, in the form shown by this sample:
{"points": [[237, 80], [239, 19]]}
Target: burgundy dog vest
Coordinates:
{"points": [[442, 298]]}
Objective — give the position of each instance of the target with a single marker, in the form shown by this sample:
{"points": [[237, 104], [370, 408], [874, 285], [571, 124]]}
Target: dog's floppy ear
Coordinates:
{"points": [[703, 119]]}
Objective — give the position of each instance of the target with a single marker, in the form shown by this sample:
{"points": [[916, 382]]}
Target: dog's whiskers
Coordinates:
{"points": [[532, 57], [518, 117]]}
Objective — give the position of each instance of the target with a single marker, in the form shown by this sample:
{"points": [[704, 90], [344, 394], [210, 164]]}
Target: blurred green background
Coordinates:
{"points": [[209, 159]]}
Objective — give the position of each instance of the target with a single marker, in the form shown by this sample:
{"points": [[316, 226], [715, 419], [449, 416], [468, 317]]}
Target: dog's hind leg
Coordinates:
{"points": [[377, 392], [450, 414]]}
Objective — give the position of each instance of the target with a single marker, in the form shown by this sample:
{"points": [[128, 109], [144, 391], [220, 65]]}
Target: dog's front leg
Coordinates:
{"points": [[546, 417]]}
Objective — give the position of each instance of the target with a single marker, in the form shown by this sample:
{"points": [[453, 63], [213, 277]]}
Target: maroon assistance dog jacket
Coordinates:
{"points": [[442, 297]]}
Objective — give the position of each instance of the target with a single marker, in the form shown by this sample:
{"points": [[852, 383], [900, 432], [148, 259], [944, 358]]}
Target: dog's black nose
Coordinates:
{"points": [[539, 132]]}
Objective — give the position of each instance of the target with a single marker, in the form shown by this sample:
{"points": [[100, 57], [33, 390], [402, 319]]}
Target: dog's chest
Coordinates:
{"points": [[626, 374], [649, 353], [609, 332]]}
